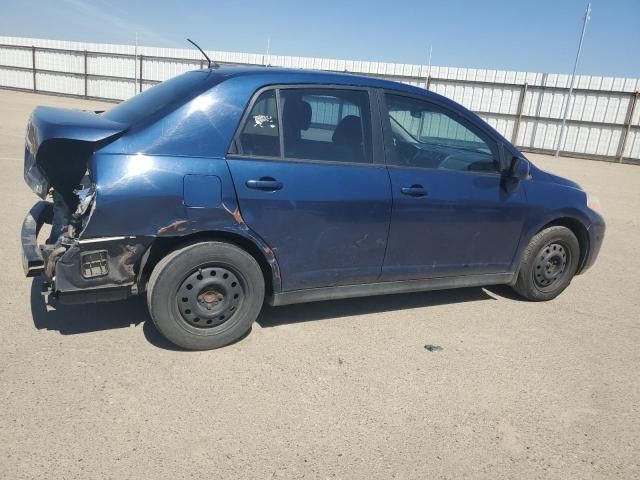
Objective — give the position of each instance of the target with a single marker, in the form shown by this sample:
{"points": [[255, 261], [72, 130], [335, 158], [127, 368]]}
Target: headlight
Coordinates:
{"points": [[593, 203]]}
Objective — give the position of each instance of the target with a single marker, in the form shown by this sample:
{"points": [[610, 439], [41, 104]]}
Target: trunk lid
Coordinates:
{"points": [[59, 142]]}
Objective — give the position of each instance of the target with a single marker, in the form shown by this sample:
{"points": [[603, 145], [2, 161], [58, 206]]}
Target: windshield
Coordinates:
{"points": [[163, 97]]}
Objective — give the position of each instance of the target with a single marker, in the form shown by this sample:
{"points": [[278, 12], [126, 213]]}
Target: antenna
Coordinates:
{"points": [[215, 65]]}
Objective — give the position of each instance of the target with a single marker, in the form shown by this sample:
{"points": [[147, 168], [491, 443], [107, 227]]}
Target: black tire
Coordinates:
{"points": [[548, 265], [205, 295]]}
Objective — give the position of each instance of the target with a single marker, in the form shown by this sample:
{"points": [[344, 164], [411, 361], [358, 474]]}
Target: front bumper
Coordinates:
{"points": [[32, 259], [596, 233]]}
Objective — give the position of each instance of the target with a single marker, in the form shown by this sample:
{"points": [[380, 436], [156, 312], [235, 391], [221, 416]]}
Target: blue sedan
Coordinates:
{"points": [[225, 187]]}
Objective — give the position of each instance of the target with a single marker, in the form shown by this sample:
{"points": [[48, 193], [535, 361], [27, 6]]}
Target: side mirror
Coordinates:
{"points": [[519, 169]]}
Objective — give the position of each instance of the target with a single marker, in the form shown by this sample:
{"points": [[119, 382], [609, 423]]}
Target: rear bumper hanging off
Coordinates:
{"points": [[32, 259], [81, 270]]}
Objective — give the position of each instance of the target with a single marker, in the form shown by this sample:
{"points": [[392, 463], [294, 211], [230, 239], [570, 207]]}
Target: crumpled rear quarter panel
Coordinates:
{"points": [[143, 195]]}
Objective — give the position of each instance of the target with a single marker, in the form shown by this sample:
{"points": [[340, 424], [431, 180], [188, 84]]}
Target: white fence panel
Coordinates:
{"points": [[60, 83], [60, 61], [632, 149], [16, 57], [159, 70], [108, 65], [110, 89], [16, 78]]}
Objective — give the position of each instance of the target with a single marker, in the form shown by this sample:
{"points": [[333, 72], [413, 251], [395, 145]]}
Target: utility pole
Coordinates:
{"points": [[268, 61], [428, 81], [587, 17]]}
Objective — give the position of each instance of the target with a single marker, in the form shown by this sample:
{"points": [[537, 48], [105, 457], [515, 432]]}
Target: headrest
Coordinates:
{"points": [[296, 113], [348, 131]]}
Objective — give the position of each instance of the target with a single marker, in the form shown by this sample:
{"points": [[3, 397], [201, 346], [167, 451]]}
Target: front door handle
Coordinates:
{"points": [[265, 183], [414, 191]]}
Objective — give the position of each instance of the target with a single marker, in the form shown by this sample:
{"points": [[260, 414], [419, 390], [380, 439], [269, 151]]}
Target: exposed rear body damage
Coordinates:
{"points": [[108, 201], [59, 145]]}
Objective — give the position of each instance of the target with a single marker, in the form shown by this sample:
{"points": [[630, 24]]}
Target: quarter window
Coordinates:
{"points": [[259, 136], [429, 137]]}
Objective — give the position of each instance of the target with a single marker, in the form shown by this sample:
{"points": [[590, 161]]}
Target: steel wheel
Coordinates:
{"points": [[209, 296], [550, 266], [205, 295]]}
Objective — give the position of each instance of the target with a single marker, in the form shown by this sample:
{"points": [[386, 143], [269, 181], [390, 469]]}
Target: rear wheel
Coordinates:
{"points": [[205, 295], [549, 263]]}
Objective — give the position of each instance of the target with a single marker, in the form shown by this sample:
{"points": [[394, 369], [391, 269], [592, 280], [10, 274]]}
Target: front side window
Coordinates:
{"points": [[326, 124], [259, 136], [426, 136]]}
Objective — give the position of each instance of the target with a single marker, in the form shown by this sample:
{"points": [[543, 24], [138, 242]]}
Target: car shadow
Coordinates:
{"points": [[95, 317], [309, 312], [85, 318]]}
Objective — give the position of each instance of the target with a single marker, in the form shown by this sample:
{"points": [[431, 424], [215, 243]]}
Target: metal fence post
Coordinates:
{"points": [[516, 127], [140, 76], [33, 66], [86, 82], [625, 133]]}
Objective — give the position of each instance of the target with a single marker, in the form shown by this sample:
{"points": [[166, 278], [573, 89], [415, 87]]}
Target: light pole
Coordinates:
{"points": [[428, 80], [268, 60], [587, 17]]}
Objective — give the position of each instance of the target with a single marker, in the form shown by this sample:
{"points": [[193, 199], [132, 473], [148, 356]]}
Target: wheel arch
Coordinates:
{"points": [[161, 246]]}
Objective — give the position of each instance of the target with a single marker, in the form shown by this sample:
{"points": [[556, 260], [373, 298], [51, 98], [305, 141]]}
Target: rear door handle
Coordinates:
{"points": [[265, 183], [414, 191]]}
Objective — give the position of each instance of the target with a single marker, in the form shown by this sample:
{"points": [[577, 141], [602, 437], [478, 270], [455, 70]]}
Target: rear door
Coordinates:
{"points": [[312, 183], [451, 215]]}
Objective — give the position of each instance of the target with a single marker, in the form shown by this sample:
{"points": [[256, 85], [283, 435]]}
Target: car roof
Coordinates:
{"points": [[262, 76], [280, 75]]}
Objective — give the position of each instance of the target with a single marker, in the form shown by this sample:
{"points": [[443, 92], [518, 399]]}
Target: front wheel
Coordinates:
{"points": [[205, 295], [549, 263]]}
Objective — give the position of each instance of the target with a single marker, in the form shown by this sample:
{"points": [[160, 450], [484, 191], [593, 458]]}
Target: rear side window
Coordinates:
{"points": [[260, 135], [326, 124], [323, 124], [427, 136]]}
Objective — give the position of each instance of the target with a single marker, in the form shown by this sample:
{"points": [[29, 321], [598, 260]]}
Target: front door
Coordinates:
{"points": [[451, 215], [311, 184]]}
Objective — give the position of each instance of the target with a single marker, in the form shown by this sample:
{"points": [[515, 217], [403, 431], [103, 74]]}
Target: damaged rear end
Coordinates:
{"points": [[59, 146]]}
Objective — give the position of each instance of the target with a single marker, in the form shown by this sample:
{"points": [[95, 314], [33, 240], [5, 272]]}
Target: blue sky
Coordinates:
{"points": [[539, 35]]}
